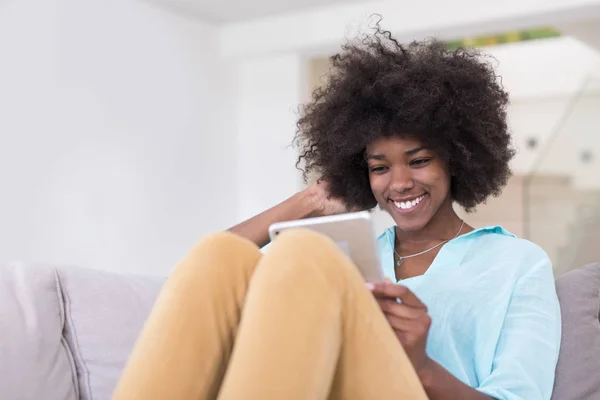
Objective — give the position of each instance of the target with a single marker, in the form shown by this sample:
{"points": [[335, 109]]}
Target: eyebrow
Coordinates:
{"points": [[408, 153], [375, 157], [415, 150]]}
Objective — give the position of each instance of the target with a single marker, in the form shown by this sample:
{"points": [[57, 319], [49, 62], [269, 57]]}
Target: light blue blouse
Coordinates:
{"points": [[496, 321]]}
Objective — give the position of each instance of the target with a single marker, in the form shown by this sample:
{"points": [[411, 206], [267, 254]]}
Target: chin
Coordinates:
{"points": [[408, 223], [410, 226]]}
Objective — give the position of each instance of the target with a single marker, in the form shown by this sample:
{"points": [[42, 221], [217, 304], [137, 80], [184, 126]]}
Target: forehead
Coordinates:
{"points": [[393, 144]]}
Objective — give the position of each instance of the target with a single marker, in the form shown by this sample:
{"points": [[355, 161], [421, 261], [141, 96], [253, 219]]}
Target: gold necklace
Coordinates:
{"points": [[401, 259]]}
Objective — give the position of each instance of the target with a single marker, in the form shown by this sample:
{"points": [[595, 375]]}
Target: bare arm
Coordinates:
{"points": [[313, 201], [301, 205]]}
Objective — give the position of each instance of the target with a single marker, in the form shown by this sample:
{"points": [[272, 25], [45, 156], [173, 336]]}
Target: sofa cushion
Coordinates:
{"points": [[577, 374], [35, 362], [105, 312]]}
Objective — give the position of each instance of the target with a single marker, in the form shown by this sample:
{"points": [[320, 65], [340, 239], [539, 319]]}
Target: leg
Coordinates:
{"points": [[184, 348], [311, 330]]}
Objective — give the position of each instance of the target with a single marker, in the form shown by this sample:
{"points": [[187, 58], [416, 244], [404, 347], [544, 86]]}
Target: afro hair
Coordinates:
{"points": [[450, 100]]}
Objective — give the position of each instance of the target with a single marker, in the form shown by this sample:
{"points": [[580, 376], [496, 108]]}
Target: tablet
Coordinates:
{"points": [[354, 234]]}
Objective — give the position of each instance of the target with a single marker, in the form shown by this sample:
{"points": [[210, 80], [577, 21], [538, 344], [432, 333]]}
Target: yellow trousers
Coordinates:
{"points": [[295, 324]]}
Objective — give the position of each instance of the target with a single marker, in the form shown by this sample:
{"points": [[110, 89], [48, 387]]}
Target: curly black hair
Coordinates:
{"points": [[451, 100]]}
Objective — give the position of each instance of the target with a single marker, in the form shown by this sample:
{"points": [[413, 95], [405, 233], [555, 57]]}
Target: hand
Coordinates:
{"points": [[408, 319], [325, 203]]}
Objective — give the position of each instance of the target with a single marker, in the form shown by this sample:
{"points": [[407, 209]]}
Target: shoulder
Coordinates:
{"points": [[506, 250]]}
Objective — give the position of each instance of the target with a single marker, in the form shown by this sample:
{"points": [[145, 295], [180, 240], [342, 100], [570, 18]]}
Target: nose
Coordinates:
{"points": [[401, 179]]}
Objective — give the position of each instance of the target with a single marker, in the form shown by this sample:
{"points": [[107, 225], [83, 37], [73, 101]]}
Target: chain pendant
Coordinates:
{"points": [[399, 262]]}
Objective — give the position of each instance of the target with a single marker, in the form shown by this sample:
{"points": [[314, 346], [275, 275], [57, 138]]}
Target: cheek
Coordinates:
{"points": [[435, 176], [377, 186], [441, 182]]}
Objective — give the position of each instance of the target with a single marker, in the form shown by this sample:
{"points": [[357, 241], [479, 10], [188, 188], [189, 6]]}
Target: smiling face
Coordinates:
{"points": [[409, 181]]}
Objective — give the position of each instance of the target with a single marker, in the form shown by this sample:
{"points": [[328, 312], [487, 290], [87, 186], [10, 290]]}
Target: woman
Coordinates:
{"points": [[471, 314]]}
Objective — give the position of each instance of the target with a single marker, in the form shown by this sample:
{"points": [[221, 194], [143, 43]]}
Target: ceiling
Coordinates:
{"points": [[221, 11]]}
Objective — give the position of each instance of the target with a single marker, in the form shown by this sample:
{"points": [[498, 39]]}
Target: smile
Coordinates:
{"points": [[409, 205]]}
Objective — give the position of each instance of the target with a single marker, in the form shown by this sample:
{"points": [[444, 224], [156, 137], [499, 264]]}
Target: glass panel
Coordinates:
{"points": [[562, 193]]}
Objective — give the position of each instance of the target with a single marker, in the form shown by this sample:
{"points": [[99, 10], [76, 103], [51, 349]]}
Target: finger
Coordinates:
{"points": [[374, 286], [392, 290], [392, 307], [410, 299], [416, 327], [400, 324], [388, 289]]}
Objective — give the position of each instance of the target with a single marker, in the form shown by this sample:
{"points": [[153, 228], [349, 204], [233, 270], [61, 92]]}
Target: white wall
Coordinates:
{"points": [[324, 28], [113, 134], [269, 90]]}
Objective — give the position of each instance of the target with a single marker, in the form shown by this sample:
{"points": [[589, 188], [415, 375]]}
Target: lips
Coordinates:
{"points": [[410, 204]]}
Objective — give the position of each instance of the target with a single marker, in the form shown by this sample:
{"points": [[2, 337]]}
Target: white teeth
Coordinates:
{"points": [[405, 205]]}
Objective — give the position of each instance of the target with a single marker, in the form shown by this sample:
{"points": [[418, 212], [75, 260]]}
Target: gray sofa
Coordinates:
{"points": [[65, 333]]}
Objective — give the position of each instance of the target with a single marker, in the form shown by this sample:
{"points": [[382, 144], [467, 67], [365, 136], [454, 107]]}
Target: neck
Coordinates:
{"points": [[443, 226]]}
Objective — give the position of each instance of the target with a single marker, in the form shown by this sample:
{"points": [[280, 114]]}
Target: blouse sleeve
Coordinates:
{"points": [[528, 346]]}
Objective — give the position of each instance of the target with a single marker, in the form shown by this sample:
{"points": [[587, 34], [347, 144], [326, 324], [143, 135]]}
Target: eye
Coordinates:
{"points": [[378, 169], [420, 162]]}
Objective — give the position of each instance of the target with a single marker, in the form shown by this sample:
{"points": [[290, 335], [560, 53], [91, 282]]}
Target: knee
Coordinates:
{"points": [[218, 242], [219, 255], [224, 244]]}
